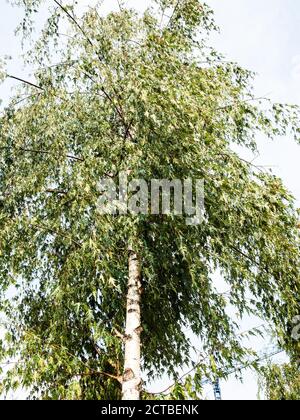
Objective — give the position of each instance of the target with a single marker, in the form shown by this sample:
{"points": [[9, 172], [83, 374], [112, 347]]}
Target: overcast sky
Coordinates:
{"points": [[262, 35]]}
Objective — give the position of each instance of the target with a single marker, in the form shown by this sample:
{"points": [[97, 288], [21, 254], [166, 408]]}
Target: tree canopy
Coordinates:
{"points": [[142, 93]]}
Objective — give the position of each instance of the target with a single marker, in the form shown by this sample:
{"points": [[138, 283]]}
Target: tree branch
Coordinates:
{"points": [[99, 373], [72, 18], [44, 152], [120, 5], [24, 99], [249, 259], [58, 192], [241, 102], [259, 168], [173, 13], [56, 232], [25, 82], [181, 378]]}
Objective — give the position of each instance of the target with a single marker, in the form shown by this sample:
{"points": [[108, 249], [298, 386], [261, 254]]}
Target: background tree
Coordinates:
{"points": [[281, 382], [143, 94]]}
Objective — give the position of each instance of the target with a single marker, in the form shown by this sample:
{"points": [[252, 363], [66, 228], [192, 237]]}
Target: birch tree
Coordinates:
{"points": [[95, 305]]}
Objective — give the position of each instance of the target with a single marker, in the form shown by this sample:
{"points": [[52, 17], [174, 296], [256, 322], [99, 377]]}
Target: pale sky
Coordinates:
{"points": [[261, 35]]}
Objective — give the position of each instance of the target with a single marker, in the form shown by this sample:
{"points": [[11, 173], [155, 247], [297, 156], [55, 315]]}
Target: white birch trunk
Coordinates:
{"points": [[132, 381]]}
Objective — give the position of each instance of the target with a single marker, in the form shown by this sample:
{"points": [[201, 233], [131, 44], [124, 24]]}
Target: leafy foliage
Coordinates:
{"points": [[141, 94], [282, 382]]}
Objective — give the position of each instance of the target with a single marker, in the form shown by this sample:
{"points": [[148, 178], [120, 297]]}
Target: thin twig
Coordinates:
{"points": [[181, 378], [242, 160], [58, 192], [120, 5], [173, 14], [98, 373], [232, 104], [56, 232], [24, 99], [72, 18], [45, 152]]}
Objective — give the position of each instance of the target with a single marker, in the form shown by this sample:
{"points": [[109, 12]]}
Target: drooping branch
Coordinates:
{"points": [[239, 369]]}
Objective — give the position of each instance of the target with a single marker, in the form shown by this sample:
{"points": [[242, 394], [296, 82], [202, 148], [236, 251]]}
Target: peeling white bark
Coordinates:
{"points": [[132, 381]]}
